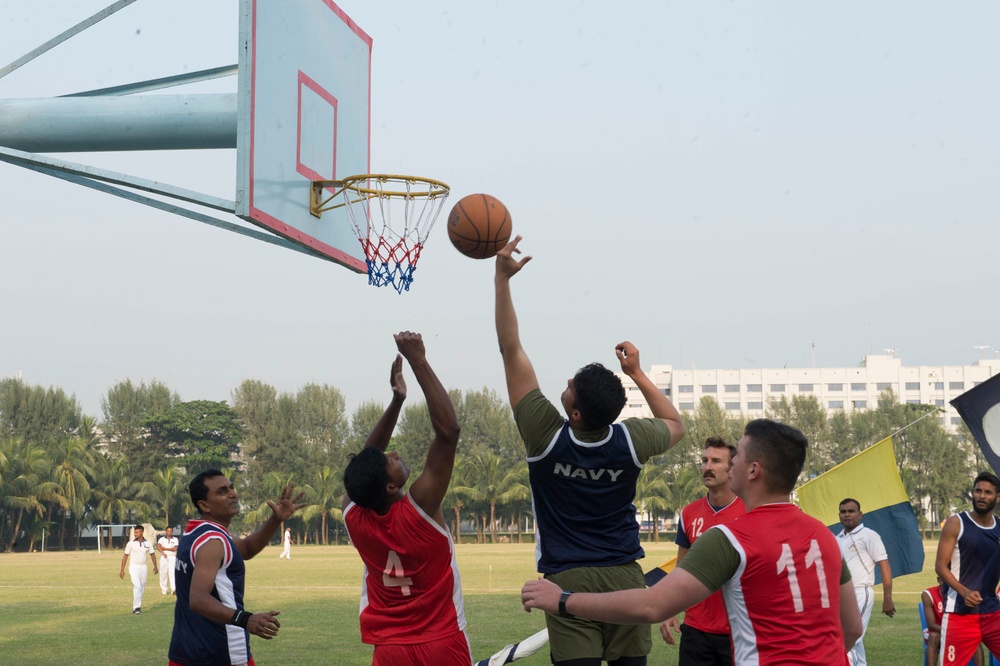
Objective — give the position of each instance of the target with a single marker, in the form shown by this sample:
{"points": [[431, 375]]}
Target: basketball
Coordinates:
{"points": [[479, 226]]}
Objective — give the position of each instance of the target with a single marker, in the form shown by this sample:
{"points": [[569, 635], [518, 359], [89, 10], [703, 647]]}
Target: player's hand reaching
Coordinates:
{"points": [[286, 505], [668, 629], [411, 346], [265, 625], [628, 356], [396, 381], [507, 265]]}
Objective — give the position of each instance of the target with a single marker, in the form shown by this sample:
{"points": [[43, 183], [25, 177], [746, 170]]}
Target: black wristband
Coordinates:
{"points": [[240, 619], [562, 603]]}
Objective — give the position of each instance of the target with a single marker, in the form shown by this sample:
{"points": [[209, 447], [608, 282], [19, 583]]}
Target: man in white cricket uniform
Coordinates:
{"points": [[167, 545], [135, 553], [863, 550], [287, 551]]}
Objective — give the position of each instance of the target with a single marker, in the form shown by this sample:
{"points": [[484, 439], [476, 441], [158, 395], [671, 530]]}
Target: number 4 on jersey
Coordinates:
{"points": [[394, 576]]}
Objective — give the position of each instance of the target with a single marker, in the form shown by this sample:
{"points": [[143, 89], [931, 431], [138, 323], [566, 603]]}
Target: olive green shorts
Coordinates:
{"points": [[573, 638]]}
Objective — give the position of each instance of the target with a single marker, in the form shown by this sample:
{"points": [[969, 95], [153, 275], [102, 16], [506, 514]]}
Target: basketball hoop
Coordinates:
{"points": [[393, 234]]}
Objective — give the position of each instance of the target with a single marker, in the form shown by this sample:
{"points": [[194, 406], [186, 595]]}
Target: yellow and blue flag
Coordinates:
{"points": [[980, 409], [872, 478], [656, 574]]}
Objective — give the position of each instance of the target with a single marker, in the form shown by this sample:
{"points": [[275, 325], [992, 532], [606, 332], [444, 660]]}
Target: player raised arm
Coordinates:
{"points": [[520, 374], [658, 403], [282, 510], [382, 432], [429, 489]]}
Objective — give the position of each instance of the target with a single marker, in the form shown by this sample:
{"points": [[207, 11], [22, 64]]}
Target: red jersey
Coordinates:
{"points": [[710, 615], [784, 599], [937, 604], [411, 591]]}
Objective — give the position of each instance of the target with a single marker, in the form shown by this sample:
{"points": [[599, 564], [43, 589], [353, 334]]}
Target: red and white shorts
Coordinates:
{"points": [[962, 634]]}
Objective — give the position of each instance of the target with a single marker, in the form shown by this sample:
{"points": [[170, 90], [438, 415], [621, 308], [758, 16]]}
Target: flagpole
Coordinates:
{"points": [[935, 411]]}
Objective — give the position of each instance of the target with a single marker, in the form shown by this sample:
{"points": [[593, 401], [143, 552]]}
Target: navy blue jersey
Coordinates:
{"points": [[196, 640], [582, 494], [975, 562]]}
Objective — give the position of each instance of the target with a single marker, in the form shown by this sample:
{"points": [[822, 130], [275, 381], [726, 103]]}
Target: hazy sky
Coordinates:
{"points": [[723, 183]]}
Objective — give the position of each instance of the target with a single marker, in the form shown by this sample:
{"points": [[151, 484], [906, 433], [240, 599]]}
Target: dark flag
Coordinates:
{"points": [[980, 409]]}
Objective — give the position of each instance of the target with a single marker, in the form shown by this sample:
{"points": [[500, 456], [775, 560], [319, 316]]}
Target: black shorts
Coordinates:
{"points": [[699, 648]]}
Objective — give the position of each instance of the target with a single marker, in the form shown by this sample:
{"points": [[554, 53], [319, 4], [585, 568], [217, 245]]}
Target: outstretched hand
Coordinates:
{"points": [[396, 381], [628, 356], [286, 505], [410, 345], [507, 265]]}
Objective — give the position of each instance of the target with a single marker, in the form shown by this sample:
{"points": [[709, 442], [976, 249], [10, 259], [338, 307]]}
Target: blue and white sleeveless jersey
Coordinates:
{"points": [[196, 640], [975, 562], [582, 496]]}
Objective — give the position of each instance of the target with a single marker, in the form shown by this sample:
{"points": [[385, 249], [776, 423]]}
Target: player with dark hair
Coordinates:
{"points": [[863, 550], [705, 639], [968, 561], [135, 553], [583, 470], [211, 626], [787, 590], [411, 603]]}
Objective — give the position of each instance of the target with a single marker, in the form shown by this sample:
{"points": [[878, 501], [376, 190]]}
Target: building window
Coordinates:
{"points": [[836, 404], [956, 386], [685, 388], [687, 406], [955, 420], [758, 406], [733, 406], [883, 386], [732, 388], [633, 388], [777, 388], [912, 386], [635, 405], [938, 386], [708, 388], [860, 404], [805, 388], [859, 387], [753, 388], [665, 391], [939, 403], [834, 387], [913, 402]]}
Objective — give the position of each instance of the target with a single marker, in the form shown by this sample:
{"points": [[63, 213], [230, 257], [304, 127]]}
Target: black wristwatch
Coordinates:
{"points": [[562, 603]]}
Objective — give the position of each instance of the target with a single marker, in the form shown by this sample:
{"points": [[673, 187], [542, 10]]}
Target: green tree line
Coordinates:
{"points": [[62, 471]]}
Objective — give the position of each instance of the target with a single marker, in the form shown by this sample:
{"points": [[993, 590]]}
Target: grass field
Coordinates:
{"points": [[72, 608]]}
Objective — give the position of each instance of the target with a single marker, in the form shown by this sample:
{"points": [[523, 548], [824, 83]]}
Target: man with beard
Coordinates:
{"points": [[863, 550], [705, 632], [968, 561]]}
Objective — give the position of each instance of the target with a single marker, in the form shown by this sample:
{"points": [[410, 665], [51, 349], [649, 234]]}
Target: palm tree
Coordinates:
{"points": [[115, 492], [491, 481], [325, 492], [73, 465], [651, 495], [25, 482], [168, 487]]}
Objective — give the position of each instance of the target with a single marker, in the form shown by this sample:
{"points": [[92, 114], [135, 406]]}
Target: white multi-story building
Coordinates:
{"points": [[747, 391]]}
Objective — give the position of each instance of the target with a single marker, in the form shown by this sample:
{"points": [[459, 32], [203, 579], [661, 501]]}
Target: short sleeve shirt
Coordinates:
{"points": [[137, 552], [862, 549]]}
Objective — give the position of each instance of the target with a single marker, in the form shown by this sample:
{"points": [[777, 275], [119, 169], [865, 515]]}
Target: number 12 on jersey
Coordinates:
{"points": [[814, 559], [394, 576]]}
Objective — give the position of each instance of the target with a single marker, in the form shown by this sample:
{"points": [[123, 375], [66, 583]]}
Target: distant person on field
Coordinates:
{"points": [[412, 603], [583, 470], [211, 626], [135, 552], [286, 552], [787, 589], [968, 561], [167, 545], [863, 550], [705, 639]]}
